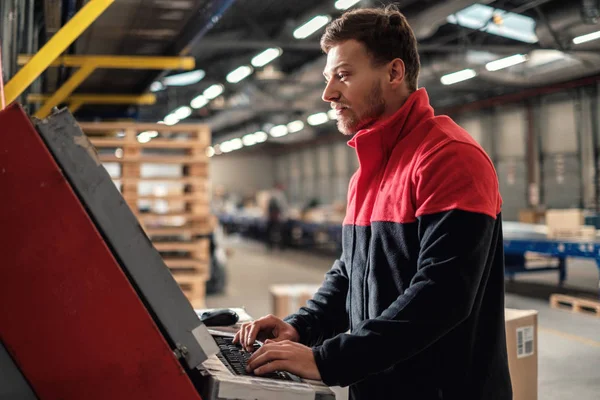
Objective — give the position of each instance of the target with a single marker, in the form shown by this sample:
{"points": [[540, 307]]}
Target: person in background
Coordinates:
{"points": [[277, 209], [414, 307]]}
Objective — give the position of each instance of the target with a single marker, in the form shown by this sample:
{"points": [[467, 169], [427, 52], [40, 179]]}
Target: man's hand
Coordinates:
{"points": [[269, 327], [284, 356]]}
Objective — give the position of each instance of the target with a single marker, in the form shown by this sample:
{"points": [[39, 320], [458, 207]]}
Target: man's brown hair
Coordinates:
{"points": [[385, 34]]}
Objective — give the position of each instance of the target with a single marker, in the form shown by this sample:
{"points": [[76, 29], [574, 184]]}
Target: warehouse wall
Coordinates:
{"points": [[544, 150], [557, 169], [243, 174], [321, 172]]}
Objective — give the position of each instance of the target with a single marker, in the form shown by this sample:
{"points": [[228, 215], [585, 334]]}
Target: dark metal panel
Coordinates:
{"points": [[122, 232], [13, 384]]}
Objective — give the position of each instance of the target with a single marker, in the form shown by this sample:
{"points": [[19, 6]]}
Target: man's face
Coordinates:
{"points": [[354, 86]]}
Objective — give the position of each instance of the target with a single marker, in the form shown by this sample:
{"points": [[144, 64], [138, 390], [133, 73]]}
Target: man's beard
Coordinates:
{"points": [[352, 123]]}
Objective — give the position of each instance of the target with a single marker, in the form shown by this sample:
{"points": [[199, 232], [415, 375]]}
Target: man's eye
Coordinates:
{"points": [[342, 75]]}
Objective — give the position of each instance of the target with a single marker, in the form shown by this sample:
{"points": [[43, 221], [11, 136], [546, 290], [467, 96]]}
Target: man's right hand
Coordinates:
{"points": [[269, 327]]}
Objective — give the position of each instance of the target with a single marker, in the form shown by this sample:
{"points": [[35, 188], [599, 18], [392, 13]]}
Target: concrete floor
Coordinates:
{"points": [[569, 344]]}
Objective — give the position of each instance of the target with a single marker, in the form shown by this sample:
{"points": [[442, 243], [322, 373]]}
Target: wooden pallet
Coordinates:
{"points": [[194, 288], [174, 233], [575, 304]]}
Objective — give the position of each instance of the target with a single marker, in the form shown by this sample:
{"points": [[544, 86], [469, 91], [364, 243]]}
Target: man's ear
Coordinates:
{"points": [[396, 72]]}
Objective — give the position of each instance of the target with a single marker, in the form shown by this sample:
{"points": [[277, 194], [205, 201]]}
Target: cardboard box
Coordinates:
{"points": [[287, 299], [522, 346], [564, 219]]}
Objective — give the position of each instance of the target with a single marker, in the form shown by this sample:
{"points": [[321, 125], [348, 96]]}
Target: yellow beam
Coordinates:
{"points": [[55, 46], [98, 98], [65, 90], [122, 62], [74, 106]]}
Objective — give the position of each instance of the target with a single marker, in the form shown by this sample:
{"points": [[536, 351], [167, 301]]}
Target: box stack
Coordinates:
{"points": [[162, 172], [569, 224]]}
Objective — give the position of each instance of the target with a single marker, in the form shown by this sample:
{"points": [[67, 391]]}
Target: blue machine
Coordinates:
{"points": [[519, 240]]}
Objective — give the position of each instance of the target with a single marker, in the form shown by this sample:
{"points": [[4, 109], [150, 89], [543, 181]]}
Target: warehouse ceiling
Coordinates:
{"points": [[454, 36]]}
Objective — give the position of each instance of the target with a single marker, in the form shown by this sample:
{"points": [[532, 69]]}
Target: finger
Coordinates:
{"points": [[252, 333], [278, 365], [267, 357], [240, 333]]}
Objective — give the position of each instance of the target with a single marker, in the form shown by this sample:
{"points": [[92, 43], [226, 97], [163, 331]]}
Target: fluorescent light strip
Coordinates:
{"points": [[345, 4], [185, 78], [317, 119], [506, 62], [260, 136], [213, 91], [311, 26], [295, 126], [199, 102], [587, 38], [279, 131], [239, 74], [266, 57], [249, 140], [170, 119], [182, 112], [458, 76]]}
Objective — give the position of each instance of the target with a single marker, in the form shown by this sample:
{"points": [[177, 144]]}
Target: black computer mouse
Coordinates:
{"points": [[220, 317]]}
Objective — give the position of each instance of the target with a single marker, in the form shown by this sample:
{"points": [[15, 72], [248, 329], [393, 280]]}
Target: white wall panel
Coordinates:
{"points": [[242, 174], [558, 127], [509, 132]]}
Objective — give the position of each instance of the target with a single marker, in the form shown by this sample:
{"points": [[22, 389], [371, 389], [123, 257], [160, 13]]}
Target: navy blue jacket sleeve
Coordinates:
{"points": [[325, 315], [455, 247]]}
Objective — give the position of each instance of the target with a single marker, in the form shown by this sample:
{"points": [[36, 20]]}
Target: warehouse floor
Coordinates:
{"points": [[569, 344]]}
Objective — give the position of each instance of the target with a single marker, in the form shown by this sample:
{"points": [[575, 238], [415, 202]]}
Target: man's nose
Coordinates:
{"points": [[330, 93]]}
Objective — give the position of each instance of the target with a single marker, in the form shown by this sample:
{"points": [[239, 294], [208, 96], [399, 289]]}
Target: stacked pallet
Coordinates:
{"points": [[163, 176]]}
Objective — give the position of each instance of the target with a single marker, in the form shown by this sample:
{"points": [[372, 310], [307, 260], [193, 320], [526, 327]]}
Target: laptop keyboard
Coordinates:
{"points": [[235, 358]]}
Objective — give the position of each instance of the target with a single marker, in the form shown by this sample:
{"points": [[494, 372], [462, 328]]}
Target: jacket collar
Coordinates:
{"points": [[383, 135]]}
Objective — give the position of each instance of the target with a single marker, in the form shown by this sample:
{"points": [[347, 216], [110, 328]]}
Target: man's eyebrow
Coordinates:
{"points": [[343, 64]]}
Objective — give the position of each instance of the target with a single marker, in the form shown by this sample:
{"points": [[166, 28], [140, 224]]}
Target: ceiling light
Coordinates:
{"points": [[332, 114], [151, 134], [279, 131], [210, 151], [260, 137], [587, 38], [345, 4], [156, 86], [236, 144], [199, 102], [217, 149], [311, 26], [226, 147], [249, 140], [295, 126], [185, 78], [266, 57], [170, 119], [459, 76], [514, 26], [239, 73], [213, 91], [506, 62], [317, 119], [144, 137], [182, 112]]}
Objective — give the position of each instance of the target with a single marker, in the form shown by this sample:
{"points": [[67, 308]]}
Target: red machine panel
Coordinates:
{"points": [[68, 315]]}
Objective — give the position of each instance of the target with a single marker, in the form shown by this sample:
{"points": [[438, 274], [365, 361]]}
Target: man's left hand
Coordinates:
{"points": [[284, 356]]}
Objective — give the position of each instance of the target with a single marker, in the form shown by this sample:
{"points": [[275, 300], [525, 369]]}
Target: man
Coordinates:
{"points": [[414, 307]]}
